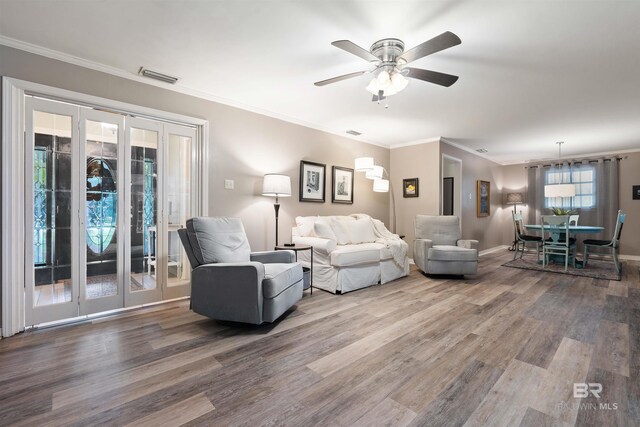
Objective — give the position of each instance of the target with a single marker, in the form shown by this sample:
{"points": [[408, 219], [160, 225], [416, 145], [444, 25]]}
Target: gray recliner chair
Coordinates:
{"points": [[439, 249], [229, 282]]}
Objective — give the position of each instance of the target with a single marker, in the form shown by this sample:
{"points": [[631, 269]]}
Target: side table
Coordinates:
{"points": [[296, 248]]}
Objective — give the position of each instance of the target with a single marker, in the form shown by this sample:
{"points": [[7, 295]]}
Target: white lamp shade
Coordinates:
{"points": [[381, 185], [375, 173], [276, 185], [364, 164], [559, 190]]}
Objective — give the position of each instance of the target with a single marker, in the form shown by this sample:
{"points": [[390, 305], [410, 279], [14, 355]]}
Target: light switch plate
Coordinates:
{"points": [[228, 184]]}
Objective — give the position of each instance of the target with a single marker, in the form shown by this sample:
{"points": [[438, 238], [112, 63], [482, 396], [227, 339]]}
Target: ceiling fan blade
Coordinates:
{"points": [[441, 79], [436, 44], [339, 78], [354, 49]]}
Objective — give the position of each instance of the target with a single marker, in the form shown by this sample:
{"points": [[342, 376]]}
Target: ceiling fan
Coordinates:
{"points": [[390, 61]]}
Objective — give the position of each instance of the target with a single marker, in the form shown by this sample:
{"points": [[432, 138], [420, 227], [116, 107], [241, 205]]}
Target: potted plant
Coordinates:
{"points": [[562, 211]]}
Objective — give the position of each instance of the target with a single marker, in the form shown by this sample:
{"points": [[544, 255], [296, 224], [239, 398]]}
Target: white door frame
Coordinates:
{"points": [[458, 184], [111, 302], [144, 296], [13, 179], [51, 312]]}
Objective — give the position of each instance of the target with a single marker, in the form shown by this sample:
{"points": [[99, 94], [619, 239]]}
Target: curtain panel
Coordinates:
{"points": [[605, 211]]}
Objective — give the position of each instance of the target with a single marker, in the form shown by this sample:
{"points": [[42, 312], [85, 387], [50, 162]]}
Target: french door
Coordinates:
{"points": [[105, 196]]}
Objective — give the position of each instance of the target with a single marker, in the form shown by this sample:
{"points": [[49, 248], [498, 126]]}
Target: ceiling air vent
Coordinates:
{"points": [[482, 150], [354, 132], [157, 76]]}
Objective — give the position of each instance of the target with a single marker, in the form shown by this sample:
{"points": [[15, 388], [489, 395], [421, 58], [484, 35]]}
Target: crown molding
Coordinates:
{"points": [[107, 69], [416, 142]]}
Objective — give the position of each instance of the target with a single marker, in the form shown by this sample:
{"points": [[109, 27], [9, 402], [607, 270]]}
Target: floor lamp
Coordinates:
{"points": [[276, 185], [514, 199], [380, 184]]}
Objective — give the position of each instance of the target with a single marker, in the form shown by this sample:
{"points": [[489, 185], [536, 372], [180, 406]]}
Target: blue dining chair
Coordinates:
{"points": [[558, 243], [607, 244]]}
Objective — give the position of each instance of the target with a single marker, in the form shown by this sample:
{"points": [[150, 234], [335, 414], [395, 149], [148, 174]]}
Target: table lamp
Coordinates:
{"points": [[276, 185]]}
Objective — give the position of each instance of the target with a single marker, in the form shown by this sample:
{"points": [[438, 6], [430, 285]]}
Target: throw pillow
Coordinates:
{"points": [[322, 229], [361, 231], [305, 225], [341, 230]]}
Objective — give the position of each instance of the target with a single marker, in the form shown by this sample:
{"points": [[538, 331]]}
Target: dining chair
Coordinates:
{"points": [[522, 238], [608, 244], [558, 242], [573, 220]]}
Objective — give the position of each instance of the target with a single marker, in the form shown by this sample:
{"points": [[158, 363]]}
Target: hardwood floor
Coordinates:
{"points": [[503, 348]]}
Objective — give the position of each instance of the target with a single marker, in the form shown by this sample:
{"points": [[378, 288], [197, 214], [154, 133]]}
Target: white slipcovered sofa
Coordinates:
{"points": [[350, 252]]}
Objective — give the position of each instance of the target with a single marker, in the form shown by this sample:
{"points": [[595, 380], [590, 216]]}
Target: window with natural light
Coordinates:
{"points": [[585, 182]]}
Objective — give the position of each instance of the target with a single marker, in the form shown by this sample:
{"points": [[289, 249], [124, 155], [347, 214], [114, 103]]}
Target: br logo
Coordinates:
{"points": [[581, 390]]}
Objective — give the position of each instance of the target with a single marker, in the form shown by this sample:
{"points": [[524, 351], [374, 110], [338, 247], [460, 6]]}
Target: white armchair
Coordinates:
{"points": [[439, 249]]}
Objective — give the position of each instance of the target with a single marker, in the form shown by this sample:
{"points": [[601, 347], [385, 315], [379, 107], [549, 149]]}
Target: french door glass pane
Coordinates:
{"points": [[52, 234], [144, 209], [178, 187], [101, 209]]}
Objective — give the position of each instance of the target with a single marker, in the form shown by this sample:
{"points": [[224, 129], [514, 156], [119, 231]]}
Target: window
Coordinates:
{"points": [[584, 179]]}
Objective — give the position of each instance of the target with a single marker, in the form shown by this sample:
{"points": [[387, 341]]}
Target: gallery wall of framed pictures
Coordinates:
{"points": [[313, 183]]}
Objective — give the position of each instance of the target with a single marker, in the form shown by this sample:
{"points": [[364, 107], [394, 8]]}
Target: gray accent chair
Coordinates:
{"points": [[229, 282], [439, 249]]}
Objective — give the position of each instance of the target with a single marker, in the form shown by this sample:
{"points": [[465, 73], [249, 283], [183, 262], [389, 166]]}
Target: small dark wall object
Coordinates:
{"points": [[447, 196], [410, 187], [636, 192]]}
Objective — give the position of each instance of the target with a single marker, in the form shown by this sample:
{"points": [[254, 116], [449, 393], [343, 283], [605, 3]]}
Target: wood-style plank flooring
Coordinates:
{"points": [[503, 348]]}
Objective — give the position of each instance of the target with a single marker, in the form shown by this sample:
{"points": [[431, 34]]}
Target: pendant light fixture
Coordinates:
{"points": [[560, 189]]}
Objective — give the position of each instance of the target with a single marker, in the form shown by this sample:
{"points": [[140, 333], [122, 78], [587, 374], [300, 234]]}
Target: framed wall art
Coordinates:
{"points": [[410, 187], [636, 192], [342, 183], [483, 198], [312, 181]]}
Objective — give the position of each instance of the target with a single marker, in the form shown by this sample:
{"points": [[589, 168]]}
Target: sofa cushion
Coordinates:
{"points": [[218, 240], [347, 255], [361, 231], [452, 253], [279, 277], [322, 228]]}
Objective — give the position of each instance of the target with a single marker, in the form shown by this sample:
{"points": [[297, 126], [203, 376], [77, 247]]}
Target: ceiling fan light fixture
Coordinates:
{"points": [[398, 81], [372, 87]]}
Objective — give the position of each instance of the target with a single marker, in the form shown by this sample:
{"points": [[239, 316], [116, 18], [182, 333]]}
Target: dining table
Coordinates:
{"points": [[556, 233]]}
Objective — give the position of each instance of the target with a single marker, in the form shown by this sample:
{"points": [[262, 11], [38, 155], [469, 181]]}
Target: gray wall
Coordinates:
{"points": [[416, 161]]}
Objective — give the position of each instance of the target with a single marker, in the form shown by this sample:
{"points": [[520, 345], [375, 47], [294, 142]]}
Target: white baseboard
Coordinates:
{"points": [[494, 249], [630, 257]]}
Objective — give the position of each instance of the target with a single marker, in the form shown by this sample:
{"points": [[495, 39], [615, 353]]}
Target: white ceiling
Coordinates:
{"points": [[531, 72]]}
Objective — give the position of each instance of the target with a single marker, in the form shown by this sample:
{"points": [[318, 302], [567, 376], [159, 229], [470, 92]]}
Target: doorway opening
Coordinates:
{"points": [[451, 182]]}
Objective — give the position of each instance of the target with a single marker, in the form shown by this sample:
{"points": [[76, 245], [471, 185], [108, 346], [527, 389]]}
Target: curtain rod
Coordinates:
{"points": [[570, 161]]}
